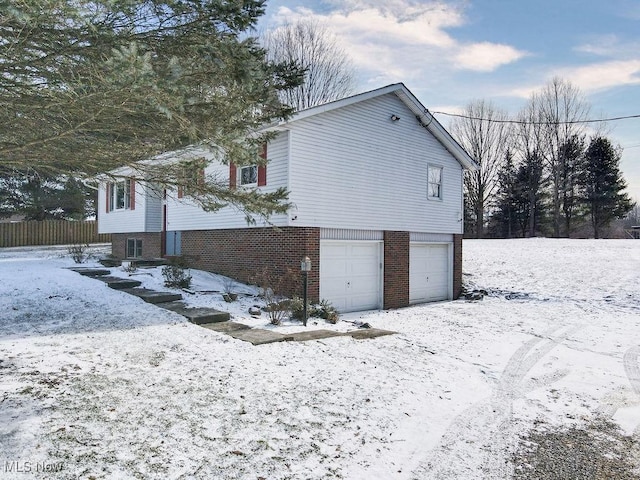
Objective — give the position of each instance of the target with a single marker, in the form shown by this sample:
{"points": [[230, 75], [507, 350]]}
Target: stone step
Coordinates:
{"points": [[110, 262], [258, 336], [119, 283], [315, 335], [153, 262], [197, 315], [366, 333], [152, 296], [226, 327], [90, 272]]}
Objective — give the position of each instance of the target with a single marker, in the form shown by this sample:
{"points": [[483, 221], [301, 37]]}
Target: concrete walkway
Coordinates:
{"points": [[216, 320]]}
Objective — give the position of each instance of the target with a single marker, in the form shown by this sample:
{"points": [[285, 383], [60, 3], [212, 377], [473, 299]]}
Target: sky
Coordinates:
{"points": [[449, 53]]}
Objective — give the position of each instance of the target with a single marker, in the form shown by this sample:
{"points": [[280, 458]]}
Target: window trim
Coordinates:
{"points": [[114, 189], [430, 168], [137, 248]]}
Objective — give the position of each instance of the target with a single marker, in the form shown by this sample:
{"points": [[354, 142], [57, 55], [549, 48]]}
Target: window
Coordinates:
{"points": [[249, 175], [134, 248], [434, 188], [121, 195]]}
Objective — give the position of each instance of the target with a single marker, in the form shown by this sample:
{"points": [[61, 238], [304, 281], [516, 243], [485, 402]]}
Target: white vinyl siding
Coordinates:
{"points": [[153, 208], [355, 168], [126, 219], [183, 214]]}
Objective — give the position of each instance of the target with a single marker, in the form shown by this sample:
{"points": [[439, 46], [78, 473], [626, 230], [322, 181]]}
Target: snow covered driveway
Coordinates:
{"points": [[97, 384]]}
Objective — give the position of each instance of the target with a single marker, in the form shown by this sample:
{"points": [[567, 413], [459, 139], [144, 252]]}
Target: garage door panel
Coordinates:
{"points": [[350, 274], [429, 274]]}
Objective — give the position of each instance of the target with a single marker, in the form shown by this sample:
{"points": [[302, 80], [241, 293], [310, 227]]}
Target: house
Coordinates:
{"points": [[377, 188]]}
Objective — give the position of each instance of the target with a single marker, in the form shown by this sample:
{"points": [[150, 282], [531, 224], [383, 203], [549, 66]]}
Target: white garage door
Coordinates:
{"points": [[350, 274], [429, 276]]}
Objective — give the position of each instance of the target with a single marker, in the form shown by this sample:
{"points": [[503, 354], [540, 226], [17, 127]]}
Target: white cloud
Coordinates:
{"points": [[486, 57], [404, 39], [600, 76]]}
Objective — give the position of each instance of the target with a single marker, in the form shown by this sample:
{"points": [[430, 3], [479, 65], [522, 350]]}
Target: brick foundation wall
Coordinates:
{"points": [[151, 244], [396, 269], [457, 266], [244, 253]]}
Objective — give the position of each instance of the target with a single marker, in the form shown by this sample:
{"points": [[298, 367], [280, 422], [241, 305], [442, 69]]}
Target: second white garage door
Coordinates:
{"points": [[429, 273], [350, 274]]}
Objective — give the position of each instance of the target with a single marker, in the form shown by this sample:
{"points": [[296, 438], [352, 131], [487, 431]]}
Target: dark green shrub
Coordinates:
{"points": [[176, 274]]}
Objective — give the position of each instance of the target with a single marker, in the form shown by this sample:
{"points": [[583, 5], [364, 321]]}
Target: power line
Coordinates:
{"points": [[527, 122]]}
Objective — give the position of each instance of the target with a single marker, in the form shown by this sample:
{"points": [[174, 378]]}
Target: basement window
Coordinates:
{"points": [[134, 248]]}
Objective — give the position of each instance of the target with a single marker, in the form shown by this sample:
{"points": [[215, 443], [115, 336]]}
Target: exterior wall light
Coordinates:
{"points": [[395, 118]]}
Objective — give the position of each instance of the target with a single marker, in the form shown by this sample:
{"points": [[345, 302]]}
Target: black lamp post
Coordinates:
{"points": [[305, 267]]}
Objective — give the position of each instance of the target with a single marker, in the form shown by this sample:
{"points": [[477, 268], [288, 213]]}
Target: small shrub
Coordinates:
{"points": [[272, 286], [129, 267], [324, 310], [228, 284], [296, 304], [77, 252], [327, 311], [176, 274]]}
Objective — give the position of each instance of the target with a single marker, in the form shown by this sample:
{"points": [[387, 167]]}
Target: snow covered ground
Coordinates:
{"points": [[96, 384]]}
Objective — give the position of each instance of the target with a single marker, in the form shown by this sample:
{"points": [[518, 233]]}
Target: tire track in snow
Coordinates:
{"points": [[631, 362], [488, 424], [611, 404], [632, 367]]}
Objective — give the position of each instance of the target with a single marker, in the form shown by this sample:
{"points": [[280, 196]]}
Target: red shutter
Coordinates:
{"points": [[201, 177], [132, 193], [262, 169], [232, 175], [262, 175], [108, 202]]}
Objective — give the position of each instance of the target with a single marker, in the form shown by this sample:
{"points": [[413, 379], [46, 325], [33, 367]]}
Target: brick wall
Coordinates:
{"points": [[151, 244], [457, 266], [396, 269], [246, 252]]}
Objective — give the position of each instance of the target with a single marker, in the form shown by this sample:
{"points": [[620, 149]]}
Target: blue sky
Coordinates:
{"points": [[451, 52]]}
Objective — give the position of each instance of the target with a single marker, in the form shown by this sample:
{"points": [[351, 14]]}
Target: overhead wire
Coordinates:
{"points": [[534, 122]]}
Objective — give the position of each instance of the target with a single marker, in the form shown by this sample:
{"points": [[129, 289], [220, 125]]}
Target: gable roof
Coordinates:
{"points": [[421, 112]]}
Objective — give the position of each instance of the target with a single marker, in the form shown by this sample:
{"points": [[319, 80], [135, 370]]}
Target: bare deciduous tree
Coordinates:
{"points": [[484, 133], [563, 110], [329, 73]]}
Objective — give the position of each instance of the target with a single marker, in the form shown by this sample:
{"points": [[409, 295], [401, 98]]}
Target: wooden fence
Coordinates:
{"points": [[50, 232]]}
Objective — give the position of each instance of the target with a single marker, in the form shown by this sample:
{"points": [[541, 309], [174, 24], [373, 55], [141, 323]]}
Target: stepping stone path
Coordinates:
{"points": [[216, 320], [151, 296]]}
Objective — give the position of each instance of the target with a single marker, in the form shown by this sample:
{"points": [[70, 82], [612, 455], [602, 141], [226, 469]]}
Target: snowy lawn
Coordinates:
{"points": [[98, 384]]}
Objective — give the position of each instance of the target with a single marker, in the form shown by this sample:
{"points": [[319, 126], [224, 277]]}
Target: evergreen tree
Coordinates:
{"points": [[604, 185], [519, 199], [503, 222], [88, 87], [36, 197], [532, 183], [569, 178]]}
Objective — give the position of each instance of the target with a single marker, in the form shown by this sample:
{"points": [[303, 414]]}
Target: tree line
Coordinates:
{"points": [[551, 171]]}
